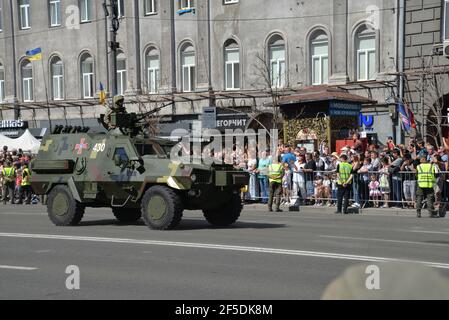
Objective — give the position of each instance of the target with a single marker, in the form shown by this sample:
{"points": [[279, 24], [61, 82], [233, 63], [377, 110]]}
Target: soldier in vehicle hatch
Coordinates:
{"points": [[117, 107]]}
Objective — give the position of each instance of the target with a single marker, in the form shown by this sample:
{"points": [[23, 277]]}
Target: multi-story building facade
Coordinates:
{"points": [[184, 50], [427, 67]]}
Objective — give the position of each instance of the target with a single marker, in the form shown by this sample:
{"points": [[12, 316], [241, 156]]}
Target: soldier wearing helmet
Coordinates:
{"points": [[117, 107]]}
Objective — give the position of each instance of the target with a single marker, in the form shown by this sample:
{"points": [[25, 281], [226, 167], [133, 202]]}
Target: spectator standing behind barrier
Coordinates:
{"points": [[262, 171], [426, 182], [439, 182], [356, 165], [9, 179], [345, 176], [299, 180], [309, 168], [363, 181], [374, 190], [408, 169], [275, 173], [253, 183], [375, 161], [384, 182], [394, 169]]}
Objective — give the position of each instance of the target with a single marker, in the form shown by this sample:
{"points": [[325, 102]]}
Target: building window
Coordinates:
{"points": [[186, 4], [87, 76], [276, 54], [55, 13], [150, 6], [230, 1], [57, 76], [152, 64], [121, 74], [121, 8], [188, 69], [85, 10], [366, 55], [232, 66], [445, 31], [320, 59], [1, 16], [27, 81], [2, 83], [24, 11]]}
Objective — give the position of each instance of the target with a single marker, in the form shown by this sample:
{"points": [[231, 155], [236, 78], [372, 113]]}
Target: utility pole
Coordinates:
{"points": [[113, 44]]}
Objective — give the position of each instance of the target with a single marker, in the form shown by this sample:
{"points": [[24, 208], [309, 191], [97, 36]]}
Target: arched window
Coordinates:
{"points": [[232, 65], [276, 54], [319, 55], [365, 49], [152, 66], [57, 76], [27, 81], [2, 83], [188, 68], [122, 83], [87, 76]]}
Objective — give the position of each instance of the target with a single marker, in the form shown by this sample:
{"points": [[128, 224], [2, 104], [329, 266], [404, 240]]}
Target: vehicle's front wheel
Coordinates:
{"points": [[126, 215], [225, 215], [62, 208], [161, 208]]}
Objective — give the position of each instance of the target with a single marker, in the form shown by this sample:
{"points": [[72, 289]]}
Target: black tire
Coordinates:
{"points": [[62, 208], [127, 215], [161, 208], [225, 215]]}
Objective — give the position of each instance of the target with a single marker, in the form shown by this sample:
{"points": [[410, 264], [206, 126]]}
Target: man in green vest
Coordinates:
{"points": [[9, 182], [344, 183], [25, 188], [426, 181], [275, 172]]}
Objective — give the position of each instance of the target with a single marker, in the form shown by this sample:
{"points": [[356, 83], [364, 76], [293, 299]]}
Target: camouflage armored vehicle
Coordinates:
{"points": [[130, 172]]}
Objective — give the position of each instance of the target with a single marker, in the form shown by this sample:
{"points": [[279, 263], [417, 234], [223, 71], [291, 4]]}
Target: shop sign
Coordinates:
{"points": [[341, 108], [13, 124]]}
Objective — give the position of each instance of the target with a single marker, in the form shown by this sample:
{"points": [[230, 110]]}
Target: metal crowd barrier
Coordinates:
{"points": [[371, 189]]}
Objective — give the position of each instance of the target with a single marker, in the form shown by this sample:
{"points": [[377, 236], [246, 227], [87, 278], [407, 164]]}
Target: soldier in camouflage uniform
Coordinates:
{"points": [[117, 107]]}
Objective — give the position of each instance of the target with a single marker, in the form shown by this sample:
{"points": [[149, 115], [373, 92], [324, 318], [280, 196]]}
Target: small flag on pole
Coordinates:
{"points": [[407, 117], [102, 94], [34, 55]]}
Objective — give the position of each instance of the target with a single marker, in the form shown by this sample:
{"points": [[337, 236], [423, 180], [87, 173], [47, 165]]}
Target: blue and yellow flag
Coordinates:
{"points": [[102, 94], [35, 54]]}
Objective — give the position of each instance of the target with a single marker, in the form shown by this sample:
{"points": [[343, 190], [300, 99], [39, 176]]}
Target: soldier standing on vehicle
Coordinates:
{"points": [[275, 173], [344, 172], [116, 108], [9, 179], [426, 182], [25, 188]]}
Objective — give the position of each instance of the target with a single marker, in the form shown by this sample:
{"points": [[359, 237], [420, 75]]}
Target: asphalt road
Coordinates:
{"points": [[264, 256]]}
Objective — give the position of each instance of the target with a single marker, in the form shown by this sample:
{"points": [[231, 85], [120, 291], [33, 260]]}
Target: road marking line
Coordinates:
{"points": [[424, 231], [18, 268], [386, 240], [226, 247]]}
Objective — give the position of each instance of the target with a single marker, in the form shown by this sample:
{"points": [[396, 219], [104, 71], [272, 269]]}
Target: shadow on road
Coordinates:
{"points": [[186, 224]]}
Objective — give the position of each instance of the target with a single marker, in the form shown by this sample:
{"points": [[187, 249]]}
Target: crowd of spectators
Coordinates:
{"points": [[16, 159], [383, 176]]}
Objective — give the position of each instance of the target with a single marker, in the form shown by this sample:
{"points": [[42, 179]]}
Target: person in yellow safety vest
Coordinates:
{"points": [[25, 188], [344, 182], [275, 173], [9, 182], [426, 182]]}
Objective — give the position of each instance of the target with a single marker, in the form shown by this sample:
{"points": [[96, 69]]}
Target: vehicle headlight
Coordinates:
{"points": [[193, 177]]}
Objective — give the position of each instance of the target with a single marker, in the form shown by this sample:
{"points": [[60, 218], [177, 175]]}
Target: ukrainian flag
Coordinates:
{"points": [[34, 55], [102, 94]]}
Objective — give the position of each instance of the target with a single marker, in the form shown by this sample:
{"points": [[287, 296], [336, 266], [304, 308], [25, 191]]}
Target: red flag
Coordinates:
{"points": [[411, 116]]}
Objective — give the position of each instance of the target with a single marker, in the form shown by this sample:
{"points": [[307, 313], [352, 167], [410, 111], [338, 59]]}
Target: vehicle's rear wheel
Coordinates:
{"points": [[225, 215], [161, 208], [62, 208], [126, 215]]}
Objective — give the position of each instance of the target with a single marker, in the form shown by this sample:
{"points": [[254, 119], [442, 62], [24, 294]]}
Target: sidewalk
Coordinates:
{"points": [[331, 210]]}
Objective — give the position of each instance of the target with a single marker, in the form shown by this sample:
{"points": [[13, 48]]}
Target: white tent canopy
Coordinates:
{"points": [[27, 142]]}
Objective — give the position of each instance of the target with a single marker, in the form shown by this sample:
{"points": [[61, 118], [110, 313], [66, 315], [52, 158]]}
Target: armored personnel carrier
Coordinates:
{"points": [[131, 173]]}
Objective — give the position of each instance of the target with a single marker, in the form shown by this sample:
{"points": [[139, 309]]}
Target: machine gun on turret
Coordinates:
{"points": [[130, 124]]}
